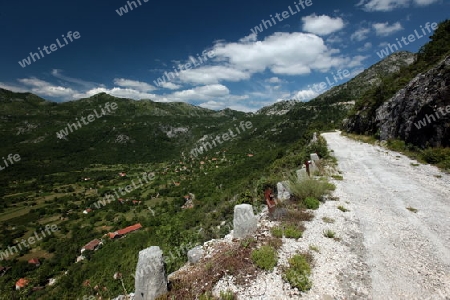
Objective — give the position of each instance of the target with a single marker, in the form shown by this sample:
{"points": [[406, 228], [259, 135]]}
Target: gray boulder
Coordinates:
{"points": [[195, 254], [283, 192], [244, 222], [151, 279], [302, 174]]}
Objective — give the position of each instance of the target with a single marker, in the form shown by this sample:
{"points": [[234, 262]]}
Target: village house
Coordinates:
{"points": [[35, 262], [121, 232], [92, 245], [21, 283]]}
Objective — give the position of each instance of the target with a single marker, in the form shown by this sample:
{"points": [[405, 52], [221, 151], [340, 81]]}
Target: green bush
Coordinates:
{"points": [[396, 145], [436, 155], [292, 232], [297, 274], [342, 208], [288, 230], [205, 296], [309, 187], [311, 203], [265, 257], [277, 232], [337, 177], [320, 147], [329, 234]]}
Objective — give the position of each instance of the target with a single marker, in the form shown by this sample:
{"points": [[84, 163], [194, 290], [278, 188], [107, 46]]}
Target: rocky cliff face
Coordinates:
{"points": [[419, 113]]}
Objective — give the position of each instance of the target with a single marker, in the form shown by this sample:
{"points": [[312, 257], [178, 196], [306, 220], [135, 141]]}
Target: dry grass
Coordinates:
{"points": [[232, 259], [272, 241], [291, 211]]}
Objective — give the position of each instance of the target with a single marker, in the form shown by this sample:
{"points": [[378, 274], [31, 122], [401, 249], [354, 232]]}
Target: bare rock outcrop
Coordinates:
{"points": [[418, 113]]}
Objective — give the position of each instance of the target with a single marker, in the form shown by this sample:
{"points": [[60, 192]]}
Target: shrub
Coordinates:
{"points": [[277, 232], [247, 242], [288, 230], [297, 274], [343, 209], [436, 155], [311, 203], [205, 296], [337, 177], [274, 242], [265, 257], [329, 234], [396, 145], [295, 215], [320, 147], [292, 232], [328, 220], [308, 187], [314, 248]]}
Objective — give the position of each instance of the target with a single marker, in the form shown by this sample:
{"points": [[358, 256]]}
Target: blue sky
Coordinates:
{"points": [[125, 53]]}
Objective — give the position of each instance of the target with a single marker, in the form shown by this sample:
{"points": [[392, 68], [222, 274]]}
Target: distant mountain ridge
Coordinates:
{"points": [[350, 91]]}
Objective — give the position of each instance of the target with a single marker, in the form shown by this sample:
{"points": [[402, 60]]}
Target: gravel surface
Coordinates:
{"points": [[407, 253]]}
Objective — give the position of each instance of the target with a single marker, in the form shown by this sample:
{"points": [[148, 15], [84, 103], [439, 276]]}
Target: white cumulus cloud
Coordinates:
{"points": [[282, 53], [213, 74], [138, 85], [360, 34], [322, 25], [170, 85], [384, 29]]}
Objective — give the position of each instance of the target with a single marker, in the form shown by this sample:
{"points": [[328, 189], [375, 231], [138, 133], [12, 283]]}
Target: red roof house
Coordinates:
{"points": [[21, 283], [122, 232], [35, 261], [92, 245]]}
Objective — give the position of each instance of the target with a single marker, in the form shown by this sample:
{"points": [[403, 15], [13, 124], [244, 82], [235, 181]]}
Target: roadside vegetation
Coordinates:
{"points": [[298, 272]]}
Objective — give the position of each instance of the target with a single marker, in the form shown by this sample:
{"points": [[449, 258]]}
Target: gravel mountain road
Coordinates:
{"points": [[406, 252]]}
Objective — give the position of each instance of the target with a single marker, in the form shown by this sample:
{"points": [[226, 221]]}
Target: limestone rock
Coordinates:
{"points": [[244, 222], [151, 279], [195, 254], [302, 174], [283, 192]]}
